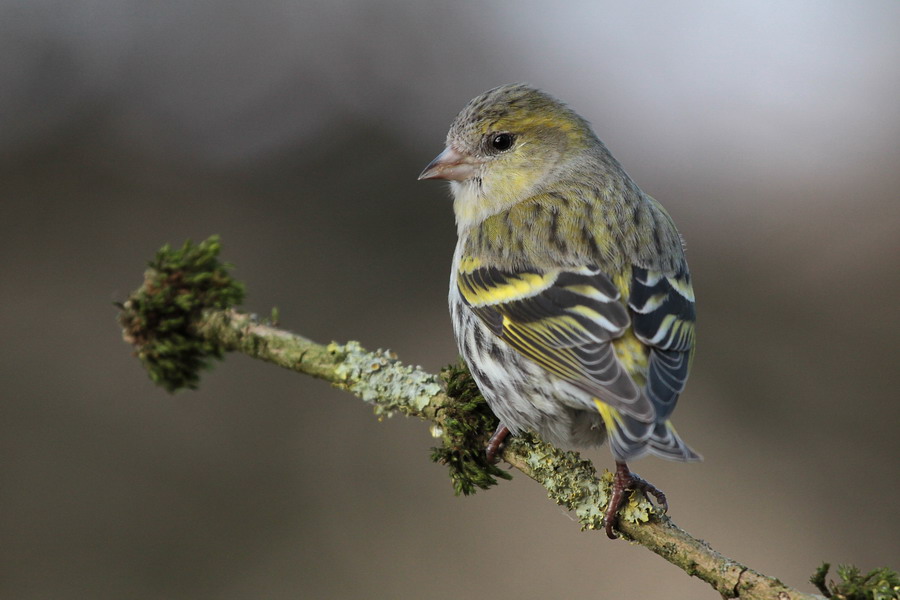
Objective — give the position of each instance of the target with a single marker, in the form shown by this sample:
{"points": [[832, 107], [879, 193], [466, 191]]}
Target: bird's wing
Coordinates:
{"points": [[563, 319], [662, 310], [663, 314]]}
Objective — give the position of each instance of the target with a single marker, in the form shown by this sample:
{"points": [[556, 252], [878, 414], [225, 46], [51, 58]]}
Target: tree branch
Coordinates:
{"points": [[180, 319], [390, 386]]}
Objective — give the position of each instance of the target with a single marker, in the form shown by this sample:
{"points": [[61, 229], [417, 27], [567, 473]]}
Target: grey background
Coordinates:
{"points": [[296, 130]]}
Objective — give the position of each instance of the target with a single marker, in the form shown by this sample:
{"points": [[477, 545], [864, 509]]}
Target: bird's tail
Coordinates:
{"points": [[631, 438], [628, 437], [666, 442]]}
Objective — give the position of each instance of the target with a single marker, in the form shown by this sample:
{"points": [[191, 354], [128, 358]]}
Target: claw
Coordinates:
{"points": [[624, 480]]}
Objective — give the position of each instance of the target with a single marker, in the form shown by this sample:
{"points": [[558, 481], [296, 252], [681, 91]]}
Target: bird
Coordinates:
{"points": [[570, 295]]}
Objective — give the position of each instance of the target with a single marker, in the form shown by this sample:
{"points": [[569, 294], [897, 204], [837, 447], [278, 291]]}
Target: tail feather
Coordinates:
{"points": [[666, 442], [631, 438], [628, 437]]}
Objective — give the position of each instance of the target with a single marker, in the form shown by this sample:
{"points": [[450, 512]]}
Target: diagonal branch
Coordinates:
{"points": [[181, 318], [391, 386]]}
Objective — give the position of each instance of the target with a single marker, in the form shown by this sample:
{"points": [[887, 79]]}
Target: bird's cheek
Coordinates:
{"points": [[514, 183]]}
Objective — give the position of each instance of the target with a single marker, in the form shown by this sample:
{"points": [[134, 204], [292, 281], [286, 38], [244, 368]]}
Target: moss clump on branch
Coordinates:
{"points": [[466, 422], [878, 584], [158, 318]]}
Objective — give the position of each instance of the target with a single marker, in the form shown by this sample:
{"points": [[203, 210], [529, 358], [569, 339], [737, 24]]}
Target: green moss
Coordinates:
{"points": [[466, 424], [879, 584], [158, 318]]}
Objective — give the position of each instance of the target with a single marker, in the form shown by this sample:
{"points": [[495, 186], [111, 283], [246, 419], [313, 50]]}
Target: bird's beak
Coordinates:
{"points": [[451, 165]]}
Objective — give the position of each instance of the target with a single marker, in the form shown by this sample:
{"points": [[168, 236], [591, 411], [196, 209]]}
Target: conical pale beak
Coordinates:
{"points": [[451, 165]]}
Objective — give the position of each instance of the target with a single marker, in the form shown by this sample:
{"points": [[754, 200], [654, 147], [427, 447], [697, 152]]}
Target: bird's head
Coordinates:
{"points": [[505, 144]]}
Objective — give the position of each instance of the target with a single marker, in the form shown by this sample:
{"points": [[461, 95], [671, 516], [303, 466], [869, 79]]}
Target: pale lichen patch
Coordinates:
{"points": [[572, 482], [382, 380]]}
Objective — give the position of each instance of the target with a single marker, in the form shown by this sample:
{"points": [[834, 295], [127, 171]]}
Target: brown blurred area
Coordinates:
{"points": [[296, 132]]}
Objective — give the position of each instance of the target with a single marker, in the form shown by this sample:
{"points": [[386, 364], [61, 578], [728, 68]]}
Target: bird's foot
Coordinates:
{"points": [[493, 445], [625, 480]]}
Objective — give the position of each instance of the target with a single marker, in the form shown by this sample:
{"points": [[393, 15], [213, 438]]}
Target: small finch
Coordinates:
{"points": [[570, 294]]}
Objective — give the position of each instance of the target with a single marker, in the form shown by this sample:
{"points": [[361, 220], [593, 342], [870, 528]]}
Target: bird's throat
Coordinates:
{"points": [[473, 202]]}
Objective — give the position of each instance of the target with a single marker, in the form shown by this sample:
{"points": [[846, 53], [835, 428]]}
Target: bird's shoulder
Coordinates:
{"points": [[547, 230], [612, 227], [624, 240]]}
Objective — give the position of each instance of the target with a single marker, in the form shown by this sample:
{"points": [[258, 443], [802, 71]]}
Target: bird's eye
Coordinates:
{"points": [[501, 142]]}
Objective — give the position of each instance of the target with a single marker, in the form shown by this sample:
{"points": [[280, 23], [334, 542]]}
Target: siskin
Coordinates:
{"points": [[570, 294]]}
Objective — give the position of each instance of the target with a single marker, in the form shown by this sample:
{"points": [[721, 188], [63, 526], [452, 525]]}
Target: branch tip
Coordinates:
{"points": [[158, 319]]}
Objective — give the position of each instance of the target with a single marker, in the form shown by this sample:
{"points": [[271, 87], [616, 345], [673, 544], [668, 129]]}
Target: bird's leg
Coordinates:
{"points": [[626, 480], [493, 445]]}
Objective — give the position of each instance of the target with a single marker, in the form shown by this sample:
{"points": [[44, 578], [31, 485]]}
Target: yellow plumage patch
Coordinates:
{"points": [[632, 354], [468, 264], [512, 288], [622, 281], [560, 364], [611, 417], [682, 287], [549, 324], [585, 311], [675, 329], [585, 290], [548, 120]]}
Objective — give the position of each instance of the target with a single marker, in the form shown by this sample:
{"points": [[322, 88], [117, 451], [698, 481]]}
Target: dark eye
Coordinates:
{"points": [[502, 142]]}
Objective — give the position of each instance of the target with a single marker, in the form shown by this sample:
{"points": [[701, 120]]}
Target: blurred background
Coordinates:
{"points": [[296, 130]]}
